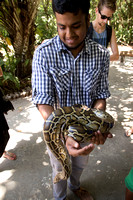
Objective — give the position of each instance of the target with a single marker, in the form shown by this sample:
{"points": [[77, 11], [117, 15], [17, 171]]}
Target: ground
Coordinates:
{"points": [[29, 177]]}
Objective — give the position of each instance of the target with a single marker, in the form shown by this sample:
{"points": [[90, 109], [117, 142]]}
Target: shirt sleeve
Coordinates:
{"points": [[42, 83], [102, 91]]}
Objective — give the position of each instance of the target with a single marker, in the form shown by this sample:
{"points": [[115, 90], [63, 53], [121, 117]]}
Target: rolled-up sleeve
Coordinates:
{"points": [[102, 91], [42, 83]]}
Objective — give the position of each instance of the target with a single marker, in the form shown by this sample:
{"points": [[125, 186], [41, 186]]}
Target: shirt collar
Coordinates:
{"points": [[61, 46], [87, 45]]}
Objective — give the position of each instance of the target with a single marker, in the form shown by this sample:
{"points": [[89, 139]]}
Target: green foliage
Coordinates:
{"points": [[93, 5], [3, 32], [17, 17], [122, 21], [8, 65], [9, 78], [45, 22]]}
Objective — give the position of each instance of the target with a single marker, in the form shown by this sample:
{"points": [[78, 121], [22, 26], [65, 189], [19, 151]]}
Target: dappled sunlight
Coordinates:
{"points": [[45, 183], [45, 163], [120, 104], [112, 111], [5, 175], [98, 170], [25, 117], [126, 68], [99, 147], [128, 118], [2, 192], [127, 114], [39, 140], [15, 138], [114, 135], [33, 125], [5, 183], [98, 162]]}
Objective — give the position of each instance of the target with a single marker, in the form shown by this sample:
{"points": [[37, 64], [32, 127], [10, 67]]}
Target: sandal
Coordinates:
{"points": [[9, 155], [82, 194]]}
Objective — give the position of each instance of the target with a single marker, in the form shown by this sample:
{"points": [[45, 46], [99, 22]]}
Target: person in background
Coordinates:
{"points": [[5, 106], [129, 177], [100, 31], [71, 69]]}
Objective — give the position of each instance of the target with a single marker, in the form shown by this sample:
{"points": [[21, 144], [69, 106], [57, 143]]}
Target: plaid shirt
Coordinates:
{"points": [[60, 79]]}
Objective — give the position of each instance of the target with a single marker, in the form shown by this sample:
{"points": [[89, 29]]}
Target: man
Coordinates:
{"points": [[71, 69]]}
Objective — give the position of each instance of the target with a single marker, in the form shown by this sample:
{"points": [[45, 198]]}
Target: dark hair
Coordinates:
{"points": [[111, 4], [72, 6]]}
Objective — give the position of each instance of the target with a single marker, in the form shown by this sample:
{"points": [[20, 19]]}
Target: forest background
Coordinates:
{"points": [[24, 24]]}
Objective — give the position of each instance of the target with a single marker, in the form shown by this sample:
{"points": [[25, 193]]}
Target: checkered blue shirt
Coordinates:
{"points": [[59, 79]]}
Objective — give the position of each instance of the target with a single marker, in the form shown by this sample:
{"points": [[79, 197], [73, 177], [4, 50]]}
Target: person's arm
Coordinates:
{"points": [[114, 48], [45, 110]]}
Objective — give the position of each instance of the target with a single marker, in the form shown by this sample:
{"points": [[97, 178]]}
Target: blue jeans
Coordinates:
{"points": [[78, 164]]}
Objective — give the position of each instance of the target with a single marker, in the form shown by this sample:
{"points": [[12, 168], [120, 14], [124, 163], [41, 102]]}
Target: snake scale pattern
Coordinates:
{"points": [[79, 122]]}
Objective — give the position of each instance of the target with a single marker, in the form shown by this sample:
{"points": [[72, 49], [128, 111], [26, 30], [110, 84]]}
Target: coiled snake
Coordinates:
{"points": [[79, 122]]}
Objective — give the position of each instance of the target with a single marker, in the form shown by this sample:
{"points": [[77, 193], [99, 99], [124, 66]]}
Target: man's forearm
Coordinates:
{"points": [[100, 104], [45, 110]]}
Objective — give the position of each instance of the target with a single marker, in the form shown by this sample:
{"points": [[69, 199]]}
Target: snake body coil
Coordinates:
{"points": [[77, 122]]}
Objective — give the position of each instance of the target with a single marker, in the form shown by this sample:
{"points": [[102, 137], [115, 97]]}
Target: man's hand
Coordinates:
{"points": [[74, 148], [100, 138]]}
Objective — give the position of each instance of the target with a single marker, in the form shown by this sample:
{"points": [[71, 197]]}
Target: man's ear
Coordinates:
{"points": [[96, 10]]}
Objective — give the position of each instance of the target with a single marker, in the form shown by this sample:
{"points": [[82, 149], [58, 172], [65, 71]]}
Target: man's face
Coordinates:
{"points": [[72, 29], [104, 13]]}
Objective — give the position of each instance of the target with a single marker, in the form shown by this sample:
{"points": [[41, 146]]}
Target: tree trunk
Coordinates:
{"points": [[18, 18]]}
